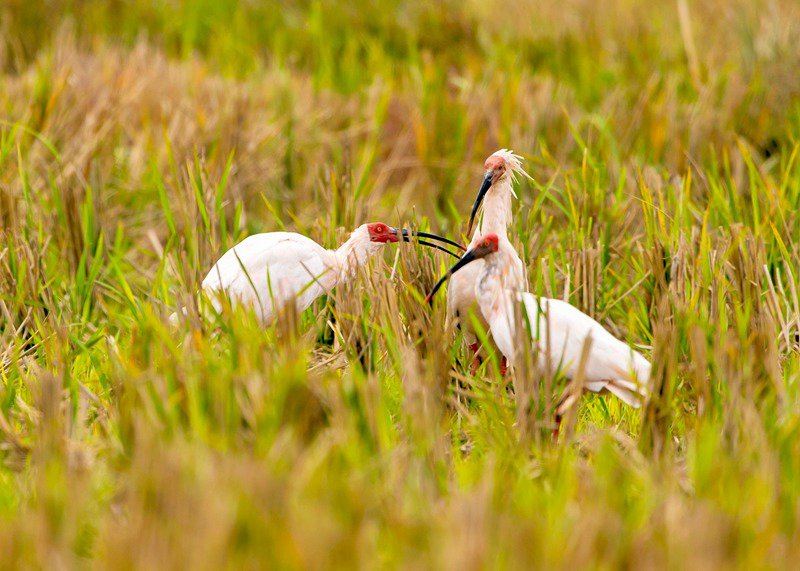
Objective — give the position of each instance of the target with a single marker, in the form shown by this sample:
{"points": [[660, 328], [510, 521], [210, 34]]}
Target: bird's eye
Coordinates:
{"points": [[379, 229], [487, 244]]}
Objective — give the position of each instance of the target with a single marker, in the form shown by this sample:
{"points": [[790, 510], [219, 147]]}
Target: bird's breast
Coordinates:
{"points": [[461, 298]]}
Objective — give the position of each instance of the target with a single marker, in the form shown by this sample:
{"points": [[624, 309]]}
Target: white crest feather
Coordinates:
{"points": [[514, 163]]}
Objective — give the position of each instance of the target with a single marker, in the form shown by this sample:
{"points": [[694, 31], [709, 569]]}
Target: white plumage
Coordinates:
{"points": [[557, 331], [267, 271], [495, 197]]}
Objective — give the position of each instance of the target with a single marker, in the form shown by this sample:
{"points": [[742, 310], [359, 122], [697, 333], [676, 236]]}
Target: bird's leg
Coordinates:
{"points": [[476, 358], [503, 367], [562, 406], [558, 418]]}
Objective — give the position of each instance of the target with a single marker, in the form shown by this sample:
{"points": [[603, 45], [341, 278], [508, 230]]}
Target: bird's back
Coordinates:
{"points": [[266, 270], [568, 328], [559, 331]]}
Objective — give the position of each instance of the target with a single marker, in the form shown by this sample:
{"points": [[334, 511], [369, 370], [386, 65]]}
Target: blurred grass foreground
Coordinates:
{"points": [[141, 139]]}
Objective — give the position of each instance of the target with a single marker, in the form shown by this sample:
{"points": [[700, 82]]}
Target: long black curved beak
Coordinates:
{"points": [[465, 259], [407, 233], [487, 184]]}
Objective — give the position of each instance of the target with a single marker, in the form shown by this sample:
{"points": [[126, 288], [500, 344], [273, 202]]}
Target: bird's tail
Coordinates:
{"points": [[628, 392], [631, 386]]}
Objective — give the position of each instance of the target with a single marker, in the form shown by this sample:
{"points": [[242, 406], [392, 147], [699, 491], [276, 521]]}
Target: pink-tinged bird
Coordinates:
{"points": [[266, 271], [495, 195], [557, 330]]}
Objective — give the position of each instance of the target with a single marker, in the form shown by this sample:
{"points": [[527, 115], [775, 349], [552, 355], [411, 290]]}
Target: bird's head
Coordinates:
{"points": [[381, 233], [376, 234], [510, 162], [487, 245], [498, 167], [495, 168]]}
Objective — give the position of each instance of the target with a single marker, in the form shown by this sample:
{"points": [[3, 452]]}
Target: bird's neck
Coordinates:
{"points": [[491, 290], [496, 210], [500, 273], [353, 254]]}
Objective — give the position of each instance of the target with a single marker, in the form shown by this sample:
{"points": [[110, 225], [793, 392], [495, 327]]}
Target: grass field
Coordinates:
{"points": [[139, 140]]}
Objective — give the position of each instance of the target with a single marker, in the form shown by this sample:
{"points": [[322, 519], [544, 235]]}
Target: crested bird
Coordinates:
{"points": [[557, 330], [495, 193], [266, 271]]}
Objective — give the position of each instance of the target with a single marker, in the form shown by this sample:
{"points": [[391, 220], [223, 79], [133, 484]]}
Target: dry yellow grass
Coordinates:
{"points": [[139, 141]]}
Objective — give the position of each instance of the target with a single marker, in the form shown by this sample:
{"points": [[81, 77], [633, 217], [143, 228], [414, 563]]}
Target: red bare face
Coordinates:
{"points": [[380, 232], [495, 164], [487, 245]]}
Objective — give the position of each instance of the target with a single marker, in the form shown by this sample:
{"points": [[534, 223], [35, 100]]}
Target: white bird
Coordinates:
{"points": [[266, 271], [558, 330], [495, 194]]}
